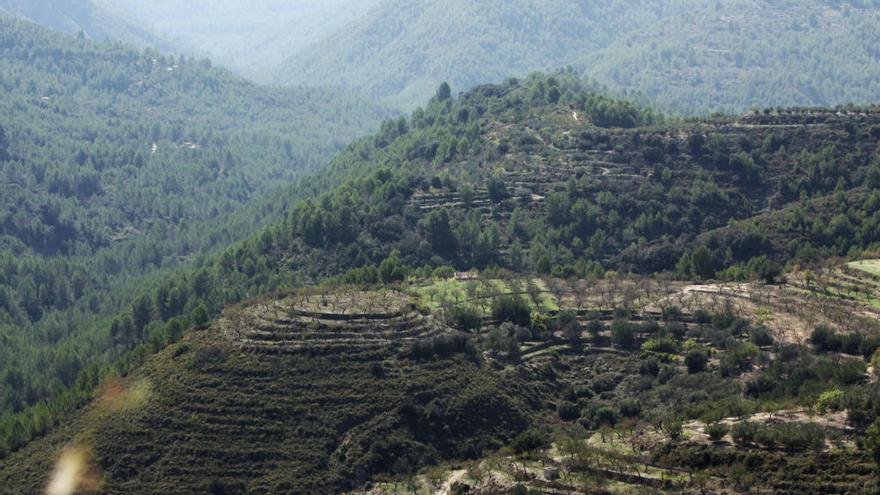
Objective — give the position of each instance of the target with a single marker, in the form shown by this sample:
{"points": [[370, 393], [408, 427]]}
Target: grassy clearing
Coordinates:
{"points": [[481, 293], [871, 267]]}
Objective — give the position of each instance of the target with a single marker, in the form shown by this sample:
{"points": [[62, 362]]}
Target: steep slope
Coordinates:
{"points": [[689, 56], [83, 16], [300, 394], [116, 164]]}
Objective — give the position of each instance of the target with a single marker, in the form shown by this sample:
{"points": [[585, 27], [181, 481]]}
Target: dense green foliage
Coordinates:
{"points": [[507, 166], [116, 165]]}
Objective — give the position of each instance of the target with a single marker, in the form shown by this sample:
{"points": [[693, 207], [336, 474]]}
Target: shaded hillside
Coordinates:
{"points": [[304, 394], [687, 56]]}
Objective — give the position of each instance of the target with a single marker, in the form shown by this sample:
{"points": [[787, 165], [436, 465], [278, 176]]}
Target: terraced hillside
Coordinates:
{"points": [[305, 394], [489, 180], [774, 410], [630, 384]]}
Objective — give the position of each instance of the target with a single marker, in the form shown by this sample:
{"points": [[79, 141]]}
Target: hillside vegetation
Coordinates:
{"points": [[629, 384], [116, 164], [304, 394], [544, 175]]}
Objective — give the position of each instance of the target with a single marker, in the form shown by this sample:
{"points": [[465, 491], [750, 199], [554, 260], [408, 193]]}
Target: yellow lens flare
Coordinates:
{"points": [[74, 473]]}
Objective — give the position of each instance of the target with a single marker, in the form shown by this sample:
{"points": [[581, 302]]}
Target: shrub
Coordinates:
{"points": [[760, 385], [649, 366], [723, 320], [595, 327], [661, 345], [566, 321], [760, 336], [702, 317], [606, 416], [523, 334], [870, 345], [623, 334], [465, 318], [766, 269], [504, 341], [630, 408], [673, 427], [825, 339], [696, 360], [514, 309], [829, 401], [530, 441], [604, 383], [672, 313], [676, 329], [568, 411], [717, 431], [744, 432]]}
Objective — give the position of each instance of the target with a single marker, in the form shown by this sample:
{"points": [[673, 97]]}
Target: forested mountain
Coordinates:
{"points": [[402, 49], [689, 56], [83, 16], [584, 215], [116, 164], [737, 55], [250, 37]]}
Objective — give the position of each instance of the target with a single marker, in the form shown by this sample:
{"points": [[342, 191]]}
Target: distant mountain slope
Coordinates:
{"points": [[249, 37], [689, 56], [735, 55], [403, 49], [83, 16]]}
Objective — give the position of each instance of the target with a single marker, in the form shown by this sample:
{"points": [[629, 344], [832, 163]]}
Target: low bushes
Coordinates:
{"points": [[788, 436]]}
